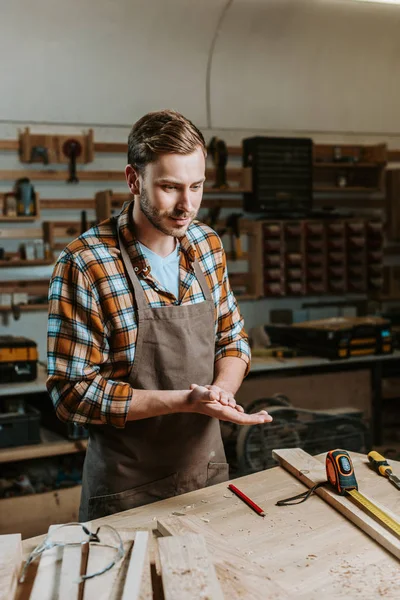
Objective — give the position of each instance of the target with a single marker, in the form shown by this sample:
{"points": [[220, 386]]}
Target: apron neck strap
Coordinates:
{"points": [[140, 298]]}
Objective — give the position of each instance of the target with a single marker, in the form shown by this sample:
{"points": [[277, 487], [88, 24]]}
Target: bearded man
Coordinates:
{"points": [[146, 345]]}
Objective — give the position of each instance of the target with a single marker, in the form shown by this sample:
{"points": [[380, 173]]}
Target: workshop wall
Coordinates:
{"points": [[314, 65], [322, 68]]}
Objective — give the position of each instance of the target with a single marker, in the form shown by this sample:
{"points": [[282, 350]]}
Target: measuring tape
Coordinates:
{"points": [[340, 473]]}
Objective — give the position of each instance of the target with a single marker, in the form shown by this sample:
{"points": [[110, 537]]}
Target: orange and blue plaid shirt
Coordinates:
{"points": [[92, 326]]}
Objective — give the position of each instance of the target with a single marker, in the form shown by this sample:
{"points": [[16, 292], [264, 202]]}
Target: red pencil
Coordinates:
{"points": [[247, 500]]}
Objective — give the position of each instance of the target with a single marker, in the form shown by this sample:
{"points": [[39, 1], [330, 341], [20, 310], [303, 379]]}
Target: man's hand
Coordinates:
{"points": [[207, 402], [226, 398]]}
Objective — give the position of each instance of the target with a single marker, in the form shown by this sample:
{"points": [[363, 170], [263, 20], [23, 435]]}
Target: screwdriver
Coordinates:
{"points": [[381, 466]]}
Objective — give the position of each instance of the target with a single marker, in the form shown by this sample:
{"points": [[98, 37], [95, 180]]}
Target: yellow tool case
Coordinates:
{"points": [[18, 359], [336, 338]]}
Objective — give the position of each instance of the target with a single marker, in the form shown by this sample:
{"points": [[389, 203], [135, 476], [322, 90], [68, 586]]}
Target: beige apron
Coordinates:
{"points": [[159, 457]]}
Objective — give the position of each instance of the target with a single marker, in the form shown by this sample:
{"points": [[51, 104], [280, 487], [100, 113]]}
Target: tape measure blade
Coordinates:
{"points": [[382, 514]]}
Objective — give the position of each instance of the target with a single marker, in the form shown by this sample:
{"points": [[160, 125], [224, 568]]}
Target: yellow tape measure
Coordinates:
{"points": [[340, 473]]}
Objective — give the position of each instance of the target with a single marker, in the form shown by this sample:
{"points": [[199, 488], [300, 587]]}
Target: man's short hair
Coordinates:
{"points": [[162, 132]]}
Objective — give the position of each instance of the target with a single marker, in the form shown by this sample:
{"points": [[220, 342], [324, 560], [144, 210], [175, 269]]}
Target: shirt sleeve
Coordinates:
{"points": [[231, 338], [77, 347]]}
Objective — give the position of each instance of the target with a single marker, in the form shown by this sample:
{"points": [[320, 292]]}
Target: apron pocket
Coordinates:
{"points": [[217, 473], [101, 506]]}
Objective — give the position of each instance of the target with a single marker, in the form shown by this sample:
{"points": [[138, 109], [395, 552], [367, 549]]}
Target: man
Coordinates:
{"points": [[145, 342]]}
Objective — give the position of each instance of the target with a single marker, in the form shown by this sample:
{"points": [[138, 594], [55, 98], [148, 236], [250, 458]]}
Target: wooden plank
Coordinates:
{"points": [[67, 204], [187, 570], [393, 155], [71, 569], [233, 174], [138, 578], [10, 564], [106, 586], [25, 308], [21, 232], [111, 147], [46, 582], [73, 565], [310, 471], [238, 576], [9, 145], [33, 514], [52, 445]]}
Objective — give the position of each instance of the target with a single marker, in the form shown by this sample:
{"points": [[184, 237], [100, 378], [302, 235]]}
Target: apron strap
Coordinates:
{"points": [[140, 297], [201, 278]]}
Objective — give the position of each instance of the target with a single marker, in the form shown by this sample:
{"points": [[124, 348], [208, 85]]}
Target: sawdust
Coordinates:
{"points": [[371, 580]]}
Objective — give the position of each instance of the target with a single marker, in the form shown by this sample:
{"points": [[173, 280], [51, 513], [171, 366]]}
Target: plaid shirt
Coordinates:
{"points": [[92, 327]]}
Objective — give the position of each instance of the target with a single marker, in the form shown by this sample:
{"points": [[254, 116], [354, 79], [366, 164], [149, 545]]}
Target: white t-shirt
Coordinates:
{"points": [[164, 269]]}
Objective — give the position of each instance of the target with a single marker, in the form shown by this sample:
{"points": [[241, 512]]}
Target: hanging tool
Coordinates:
{"points": [[72, 149], [381, 466], [341, 476], [232, 223], [219, 154]]}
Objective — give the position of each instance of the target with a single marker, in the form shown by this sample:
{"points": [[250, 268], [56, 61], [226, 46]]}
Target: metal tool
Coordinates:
{"points": [[381, 466], [72, 149], [340, 473]]}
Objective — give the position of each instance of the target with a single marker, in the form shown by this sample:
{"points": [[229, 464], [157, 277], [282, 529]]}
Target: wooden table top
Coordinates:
{"points": [[310, 550]]}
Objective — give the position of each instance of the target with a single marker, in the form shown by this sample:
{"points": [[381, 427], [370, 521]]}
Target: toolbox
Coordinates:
{"points": [[18, 359], [19, 426], [336, 338]]}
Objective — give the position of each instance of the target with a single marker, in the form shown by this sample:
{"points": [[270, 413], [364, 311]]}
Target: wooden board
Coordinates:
{"points": [[46, 582], [58, 506], [237, 575], [187, 570], [138, 577], [10, 564], [108, 585], [310, 471], [73, 565]]}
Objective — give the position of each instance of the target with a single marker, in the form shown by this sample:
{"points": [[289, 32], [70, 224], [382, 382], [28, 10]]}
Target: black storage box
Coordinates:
{"points": [[282, 175], [18, 359], [20, 429]]}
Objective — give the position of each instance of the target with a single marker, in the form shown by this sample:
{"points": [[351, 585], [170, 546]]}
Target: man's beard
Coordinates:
{"points": [[158, 218]]}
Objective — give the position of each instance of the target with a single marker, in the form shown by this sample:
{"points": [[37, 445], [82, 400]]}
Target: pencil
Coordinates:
{"points": [[247, 500]]}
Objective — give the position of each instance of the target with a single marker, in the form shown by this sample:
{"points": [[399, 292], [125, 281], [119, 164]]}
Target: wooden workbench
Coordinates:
{"points": [[310, 551]]}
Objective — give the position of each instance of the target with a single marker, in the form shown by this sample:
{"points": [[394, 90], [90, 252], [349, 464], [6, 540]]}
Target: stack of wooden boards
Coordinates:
{"points": [[181, 565]]}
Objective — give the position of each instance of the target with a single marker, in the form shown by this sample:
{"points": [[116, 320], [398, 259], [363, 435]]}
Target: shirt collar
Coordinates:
{"points": [[135, 254]]}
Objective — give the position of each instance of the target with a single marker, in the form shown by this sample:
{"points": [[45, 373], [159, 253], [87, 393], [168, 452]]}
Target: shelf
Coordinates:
{"points": [[52, 444], [338, 165], [37, 386], [19, 219], [26, 263], [349, 189], [25, 308]]}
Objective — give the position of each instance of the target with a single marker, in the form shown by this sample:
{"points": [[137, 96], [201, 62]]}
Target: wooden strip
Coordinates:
{"points": [[393, 155], [118, 148], [233, 174], [107, 586], [10, 564], [111, 147], [138, 578], [187, 570], [46, 584], [238, 576], [21, 232], [119, 199], [310, 471], [9, 145], [67, 204], [72, 567]]}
